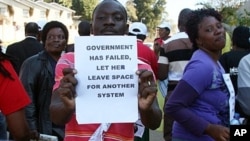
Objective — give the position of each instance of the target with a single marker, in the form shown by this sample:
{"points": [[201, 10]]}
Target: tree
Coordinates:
{"points": [[88, 7], [220, 4], [66, 3], [83, 8], [147, 11], [229, 11], [77, 5], [130, 6]]}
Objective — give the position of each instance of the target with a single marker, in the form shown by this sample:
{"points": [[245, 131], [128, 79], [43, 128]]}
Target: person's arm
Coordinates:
{"points": [[162, 71], [12, 103], [18, 126], [149, 110], [163, 65], [28, 75], [154, 65], [62, 104], [156, 48], [177, 107]]}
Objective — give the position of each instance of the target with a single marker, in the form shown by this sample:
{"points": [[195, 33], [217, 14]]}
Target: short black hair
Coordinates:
{"points": [[195, 18], [122, 7], [183, 18], [54, 24], [138, 36], [167, 29], [31, 29], [84, 28], [241, 37]]}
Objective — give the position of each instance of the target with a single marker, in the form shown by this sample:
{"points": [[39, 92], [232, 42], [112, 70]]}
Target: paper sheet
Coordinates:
{"points": [[107, 84]]}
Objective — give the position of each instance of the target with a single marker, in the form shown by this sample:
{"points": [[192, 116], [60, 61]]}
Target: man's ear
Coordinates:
{"points": [[126, 29]]}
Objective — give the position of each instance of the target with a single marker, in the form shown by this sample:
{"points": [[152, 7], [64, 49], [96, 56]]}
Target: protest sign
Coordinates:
{"points": [[107, 86]]}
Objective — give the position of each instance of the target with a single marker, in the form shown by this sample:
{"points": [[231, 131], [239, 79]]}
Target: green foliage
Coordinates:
{"points": [[147, 11], [83, 8], [229, 15], [77, 5], [131, 10], [244, 19], [66, 3], [229, 11], [88, 7]]}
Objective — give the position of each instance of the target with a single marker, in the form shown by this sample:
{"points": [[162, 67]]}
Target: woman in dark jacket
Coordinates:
{"points": [[37, 76]]}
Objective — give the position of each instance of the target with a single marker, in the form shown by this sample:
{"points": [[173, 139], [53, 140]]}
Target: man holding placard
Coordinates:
{"points": [[109, 18]]}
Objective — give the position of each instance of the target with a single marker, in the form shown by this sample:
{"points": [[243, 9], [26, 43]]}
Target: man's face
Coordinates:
{"points": [[55, 41], [109, 19], [163, 33]]}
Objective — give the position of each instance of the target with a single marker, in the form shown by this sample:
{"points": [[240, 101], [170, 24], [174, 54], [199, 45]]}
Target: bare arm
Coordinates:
{"points": [[18, 125], [162, 71]]}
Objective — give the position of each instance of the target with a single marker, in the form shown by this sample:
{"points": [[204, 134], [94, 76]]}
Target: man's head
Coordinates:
{"points": [[109, 18], [31, 29], [164, 30], [139, 30], [182, 19], [54, 24], [241, 37], [84, 28]]}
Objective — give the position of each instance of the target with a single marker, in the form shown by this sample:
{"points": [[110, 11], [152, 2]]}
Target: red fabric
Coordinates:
{"points": [[147, 55], [160, 41], [13, 96], [116, 132]]}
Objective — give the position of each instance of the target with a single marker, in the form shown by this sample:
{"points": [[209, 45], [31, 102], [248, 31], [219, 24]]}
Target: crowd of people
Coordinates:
{"points": [[38, 83]]}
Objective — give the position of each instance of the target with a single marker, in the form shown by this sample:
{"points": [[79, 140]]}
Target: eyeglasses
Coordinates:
{"points": [[53, 37]]}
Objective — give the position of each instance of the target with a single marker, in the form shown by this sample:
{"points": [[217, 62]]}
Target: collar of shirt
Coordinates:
{"points": [[31, 37], [139, 40]]}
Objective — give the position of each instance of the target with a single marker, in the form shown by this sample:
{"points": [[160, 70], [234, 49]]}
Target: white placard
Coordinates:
{"points": [[107, 86]]}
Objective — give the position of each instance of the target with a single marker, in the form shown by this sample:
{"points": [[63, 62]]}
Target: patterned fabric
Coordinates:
{"points": [[76, 132], [177, 52]]}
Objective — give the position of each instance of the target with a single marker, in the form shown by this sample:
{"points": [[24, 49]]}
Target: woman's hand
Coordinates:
{"points": [[218, 132]]}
